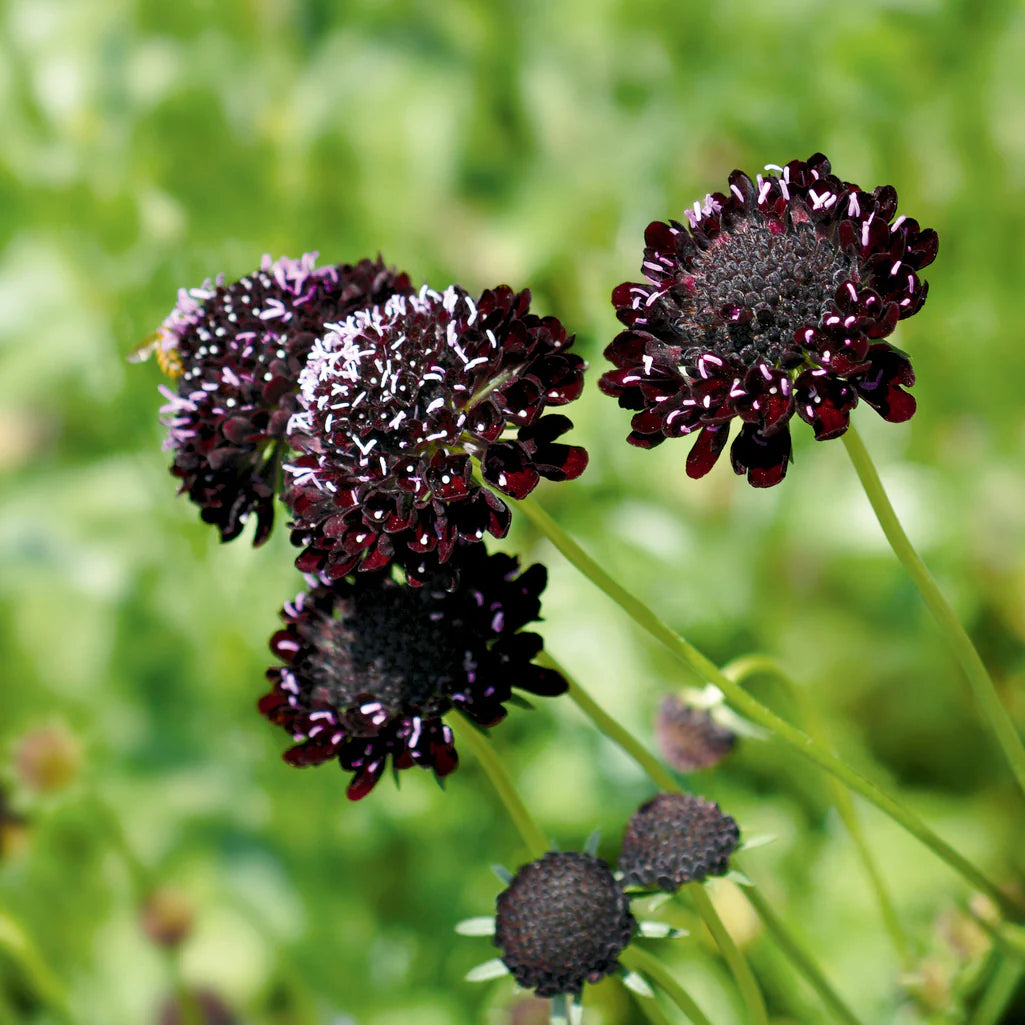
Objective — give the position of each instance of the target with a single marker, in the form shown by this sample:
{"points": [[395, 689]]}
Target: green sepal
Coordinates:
{"points": [[493, 969], [637, 984], [504, 875], [483, 925]]}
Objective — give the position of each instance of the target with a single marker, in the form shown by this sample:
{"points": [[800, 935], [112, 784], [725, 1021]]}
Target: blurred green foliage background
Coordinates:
{"points": [[147, 145]]}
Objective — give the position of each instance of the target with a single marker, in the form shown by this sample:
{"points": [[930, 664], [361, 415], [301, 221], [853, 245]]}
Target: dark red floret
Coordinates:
{"points": [[772, 301], [401, 402], [563, 921], [371, 666], [236, 351]]}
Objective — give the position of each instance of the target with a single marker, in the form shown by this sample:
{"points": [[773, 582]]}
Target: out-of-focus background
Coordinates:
{"points": [[147, 145]]}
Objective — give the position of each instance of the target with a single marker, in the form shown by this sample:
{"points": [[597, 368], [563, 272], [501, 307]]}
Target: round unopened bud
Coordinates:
{"points": [[689, 738], [206, 1009], [47, 759], [167, 917]]}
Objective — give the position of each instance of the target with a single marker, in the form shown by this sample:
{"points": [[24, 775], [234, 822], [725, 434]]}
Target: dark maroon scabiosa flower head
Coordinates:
{"points": [[400, 402], [236, 351], [689, 738], [774, 301], [563, 921], [675, 839], [371, 666]]}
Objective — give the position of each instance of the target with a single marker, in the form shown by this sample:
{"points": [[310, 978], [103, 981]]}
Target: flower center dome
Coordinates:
{"points": [[752, 290], [395, 643], [383, 377]]}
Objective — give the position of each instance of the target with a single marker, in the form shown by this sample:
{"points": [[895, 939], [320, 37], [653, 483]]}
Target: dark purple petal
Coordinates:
{"points": [[764, 460]]}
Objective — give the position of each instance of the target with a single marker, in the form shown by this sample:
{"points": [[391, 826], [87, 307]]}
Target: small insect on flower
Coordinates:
{"points": [[234, 352], [160, 344]]}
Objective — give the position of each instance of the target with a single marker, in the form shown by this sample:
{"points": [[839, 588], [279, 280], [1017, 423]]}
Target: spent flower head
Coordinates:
{"points": [[408, 409], [371, 666], [772, 301], [236, 351], [675, 839], [563, 921]]}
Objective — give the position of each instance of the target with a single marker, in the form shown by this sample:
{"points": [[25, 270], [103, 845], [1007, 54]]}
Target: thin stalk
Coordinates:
{"points": [[613, 730], [746, 705], [998, 995], [738, 965], [788, 943], [749, 665], [639, 960], [985, 692], [533, 838]]}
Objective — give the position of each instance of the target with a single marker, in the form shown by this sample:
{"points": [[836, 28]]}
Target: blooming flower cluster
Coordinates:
{"points": [[772, 301], [398, 402], [394, 422], [371, 666], [236, 351], [396, 418]]}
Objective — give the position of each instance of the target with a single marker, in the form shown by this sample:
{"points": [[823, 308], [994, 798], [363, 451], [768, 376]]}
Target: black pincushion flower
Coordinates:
{"points": [[371, 665], [399, 404], [675, 839], [236, 351], [774, 301], [563, 921]]}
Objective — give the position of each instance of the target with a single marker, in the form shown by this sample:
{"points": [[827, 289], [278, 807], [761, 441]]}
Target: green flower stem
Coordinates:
{"points": [[785, 940], [143, 885], [533, 838], [651, 1009], [738, 965], [639, 960], [950, 626], [613, 730], [746, 705], [991, 1008], [749, 665]]}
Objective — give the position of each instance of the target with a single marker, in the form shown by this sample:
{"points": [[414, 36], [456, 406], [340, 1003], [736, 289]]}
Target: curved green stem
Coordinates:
{"points": [[746, 705], [533, 838], [738, 965], [799, 956], [639, 960], [746, 666], [613, 730], [982, 686]]}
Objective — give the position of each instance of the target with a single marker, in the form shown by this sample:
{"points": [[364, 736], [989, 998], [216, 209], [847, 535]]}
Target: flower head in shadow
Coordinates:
{"points": [[236, 351], [371, 666], [408, 409], [772, 301]]}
